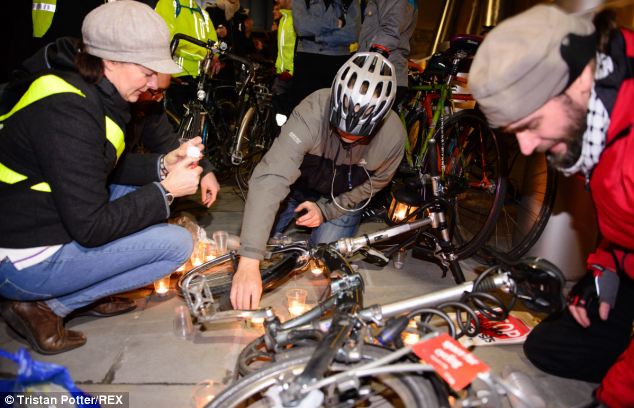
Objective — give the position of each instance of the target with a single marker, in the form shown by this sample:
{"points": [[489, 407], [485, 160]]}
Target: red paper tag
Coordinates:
{"points": [[455, 364], [507, 330]]}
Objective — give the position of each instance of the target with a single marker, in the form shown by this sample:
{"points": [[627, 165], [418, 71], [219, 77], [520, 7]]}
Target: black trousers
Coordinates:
{"points": [[560, 346]]}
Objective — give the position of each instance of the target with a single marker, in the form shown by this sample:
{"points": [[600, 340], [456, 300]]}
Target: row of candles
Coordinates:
{"points": [[204, 251], [296, 302]]}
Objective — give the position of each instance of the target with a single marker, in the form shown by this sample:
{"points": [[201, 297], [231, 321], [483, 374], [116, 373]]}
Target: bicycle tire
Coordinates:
{"points": [[219, 278], [473, 179], [531, 193], [259, 134], [413, 390]]}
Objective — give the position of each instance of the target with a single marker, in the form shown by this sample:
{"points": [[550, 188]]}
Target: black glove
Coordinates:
{"points": [[599, 284]]}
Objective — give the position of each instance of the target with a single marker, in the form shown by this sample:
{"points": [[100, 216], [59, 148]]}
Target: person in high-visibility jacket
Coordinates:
{"points": [[286, 40], [66, 241], [188, 17]]}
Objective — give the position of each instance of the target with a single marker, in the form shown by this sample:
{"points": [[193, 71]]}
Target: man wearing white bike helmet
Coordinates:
{"points": [[339, 147]]}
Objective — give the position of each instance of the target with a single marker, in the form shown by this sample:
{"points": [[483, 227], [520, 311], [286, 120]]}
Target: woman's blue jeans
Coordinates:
{"points": [[76, 276], [329, 231]]}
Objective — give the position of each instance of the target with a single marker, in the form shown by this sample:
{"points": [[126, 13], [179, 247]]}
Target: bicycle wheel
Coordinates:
{"points": [[473, 179], [385, 390], [258, 132], [219, 277], [528, 203]]}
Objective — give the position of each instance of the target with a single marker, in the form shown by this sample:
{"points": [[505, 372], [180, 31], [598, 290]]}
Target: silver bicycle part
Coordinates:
{"points": [[235, 315], [196, 290], [347, 246], [379, 314]]}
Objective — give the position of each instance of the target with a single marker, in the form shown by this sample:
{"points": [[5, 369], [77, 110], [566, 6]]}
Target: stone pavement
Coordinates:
{"points": [[139, 353]]}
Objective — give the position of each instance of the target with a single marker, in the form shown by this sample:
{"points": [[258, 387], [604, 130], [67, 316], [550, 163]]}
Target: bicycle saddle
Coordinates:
{"points": [[465, 42], [539, 284]]}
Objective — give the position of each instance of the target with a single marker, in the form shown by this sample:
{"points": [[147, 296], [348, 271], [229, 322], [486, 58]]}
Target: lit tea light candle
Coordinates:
{"points": [[410, 339], [296, 301], [257, 320], [316, 270], [162, 286], [196, 261], [296, 309]]}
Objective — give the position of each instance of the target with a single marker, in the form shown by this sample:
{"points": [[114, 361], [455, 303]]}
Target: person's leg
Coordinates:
{"points": [[76, 276], [284, 216], [560, 346], [342, 227], [119, 190]]}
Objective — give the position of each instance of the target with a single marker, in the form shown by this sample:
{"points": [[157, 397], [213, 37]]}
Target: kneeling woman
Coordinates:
{"points": [[66, 240]]}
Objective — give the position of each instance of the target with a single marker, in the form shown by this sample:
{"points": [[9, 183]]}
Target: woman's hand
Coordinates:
{"points": [[183, 178], [177, 155]]}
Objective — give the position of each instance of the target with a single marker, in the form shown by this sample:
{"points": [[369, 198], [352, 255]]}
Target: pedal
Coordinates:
{"points": [[374, 257], [236, 315]]}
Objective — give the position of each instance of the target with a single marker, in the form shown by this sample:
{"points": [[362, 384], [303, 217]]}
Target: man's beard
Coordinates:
{"points": [[573, 134]]}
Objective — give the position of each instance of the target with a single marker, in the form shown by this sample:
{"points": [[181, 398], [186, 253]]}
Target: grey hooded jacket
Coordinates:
{"points": [[305, 158]]}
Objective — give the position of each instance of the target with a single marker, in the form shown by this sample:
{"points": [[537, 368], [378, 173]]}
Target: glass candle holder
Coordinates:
{"points": [[296, 300]]}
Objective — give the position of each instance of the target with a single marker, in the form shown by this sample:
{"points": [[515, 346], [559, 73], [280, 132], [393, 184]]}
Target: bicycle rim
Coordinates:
{"points": [[389, 390], [528, 203], [473, 179], [220, 277]]}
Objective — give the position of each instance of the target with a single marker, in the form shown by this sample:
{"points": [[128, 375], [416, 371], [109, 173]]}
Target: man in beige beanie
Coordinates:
{"points": [[566, 89]]}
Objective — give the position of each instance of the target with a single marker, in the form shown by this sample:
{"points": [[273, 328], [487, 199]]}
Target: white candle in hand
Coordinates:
{"points": [[193, 152]]}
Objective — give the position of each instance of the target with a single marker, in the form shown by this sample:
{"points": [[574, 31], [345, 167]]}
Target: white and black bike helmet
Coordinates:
{"points": [[362, 93]]}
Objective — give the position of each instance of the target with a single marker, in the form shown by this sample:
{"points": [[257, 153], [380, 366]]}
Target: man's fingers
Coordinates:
{"points": [[580, 314], [233, 296], [604, 310]]}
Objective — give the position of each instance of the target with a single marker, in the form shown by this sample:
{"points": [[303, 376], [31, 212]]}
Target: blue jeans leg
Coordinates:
{"points": [[285, 216], [76, 276], [342, 227]]}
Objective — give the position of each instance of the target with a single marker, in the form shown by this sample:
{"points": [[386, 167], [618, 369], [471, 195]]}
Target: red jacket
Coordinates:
{"points": [[612, 187]]}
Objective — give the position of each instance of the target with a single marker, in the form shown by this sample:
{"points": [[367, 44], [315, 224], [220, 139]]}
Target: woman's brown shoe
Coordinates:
{"points": [[42, 328]]}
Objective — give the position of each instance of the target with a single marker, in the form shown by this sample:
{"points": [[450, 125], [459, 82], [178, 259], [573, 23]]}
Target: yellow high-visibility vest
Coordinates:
{"points": [[187, 17], [42, 13], [41, 88]]}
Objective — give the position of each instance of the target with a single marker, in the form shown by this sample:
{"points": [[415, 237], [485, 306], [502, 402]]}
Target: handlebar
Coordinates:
{"points": [[216, 48]]}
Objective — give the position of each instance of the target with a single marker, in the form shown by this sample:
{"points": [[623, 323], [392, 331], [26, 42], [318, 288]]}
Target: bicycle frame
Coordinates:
{"points": [[345, 332]]}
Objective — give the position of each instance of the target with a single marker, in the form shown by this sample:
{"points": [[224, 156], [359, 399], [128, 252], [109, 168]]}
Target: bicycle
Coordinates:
{"points": [[335, 361], [206, 288], [470, 160], [511, 224], [236, 122]]}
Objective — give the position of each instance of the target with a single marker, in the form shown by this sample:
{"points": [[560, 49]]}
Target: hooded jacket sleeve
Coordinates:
{"points": [[278, 170]]}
